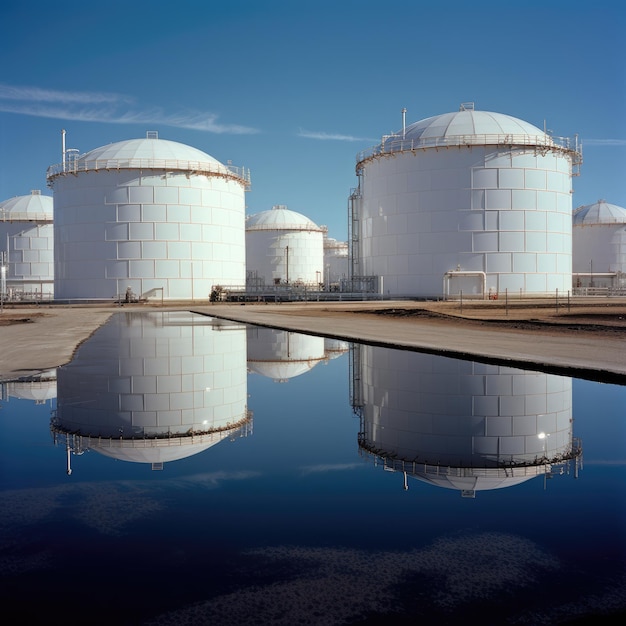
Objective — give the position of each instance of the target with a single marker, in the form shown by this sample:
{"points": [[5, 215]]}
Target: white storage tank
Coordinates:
{"points": [[284, 247], [336, 263], [154, 387], [599, 245], [461, 424], [153, 217], [469, 201], [27, 238]]}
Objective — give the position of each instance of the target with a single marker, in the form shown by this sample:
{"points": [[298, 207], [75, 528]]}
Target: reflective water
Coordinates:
{"points": [[184, 470]]}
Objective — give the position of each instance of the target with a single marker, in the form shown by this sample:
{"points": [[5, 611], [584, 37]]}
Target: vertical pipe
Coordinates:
{"points": [[63, 147], [403, 123]]}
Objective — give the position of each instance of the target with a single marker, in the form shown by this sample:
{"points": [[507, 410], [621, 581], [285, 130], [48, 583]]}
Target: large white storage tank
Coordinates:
{"points": [[459, 424], [154, 387], [284, 247], [469, 201], [27, 238], [599, 245], [160, 217]]}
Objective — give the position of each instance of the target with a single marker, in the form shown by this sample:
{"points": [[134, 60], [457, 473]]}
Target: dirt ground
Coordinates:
{"points": [[584, 337]]}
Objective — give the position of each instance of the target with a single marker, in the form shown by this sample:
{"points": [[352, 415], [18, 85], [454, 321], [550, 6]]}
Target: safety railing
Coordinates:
{"points": [[396, 143], [77, 165]]}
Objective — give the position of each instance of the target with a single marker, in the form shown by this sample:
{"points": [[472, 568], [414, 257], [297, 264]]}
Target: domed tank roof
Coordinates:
{"points": [[151, 149], [601, 212], [279, 217], [468, 121], [31, 207]]}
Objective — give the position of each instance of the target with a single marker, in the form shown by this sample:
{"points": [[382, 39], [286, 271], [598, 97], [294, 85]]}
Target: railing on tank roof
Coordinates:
{"points": [[300, 227], [24, 216], [396, 143], [76, 165]]}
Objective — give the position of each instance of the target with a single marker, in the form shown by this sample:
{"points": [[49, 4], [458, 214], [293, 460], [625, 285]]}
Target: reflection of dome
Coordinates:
{"points": [[39, 388], [281, 355], [458, 424], [335, 347], [155, 387], [153, 451]]}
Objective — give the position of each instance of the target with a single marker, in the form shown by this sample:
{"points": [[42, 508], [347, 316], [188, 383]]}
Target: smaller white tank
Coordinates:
{"points": [[27, 238], [599, 245], [336, 263], [284, 247]]}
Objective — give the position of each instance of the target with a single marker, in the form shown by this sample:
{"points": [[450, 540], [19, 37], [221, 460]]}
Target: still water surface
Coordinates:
{"points": [[186, 470]]}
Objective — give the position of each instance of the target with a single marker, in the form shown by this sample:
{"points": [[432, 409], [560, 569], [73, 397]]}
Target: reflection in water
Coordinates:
{"points": [[154, 387], [460, 424], [295, 527], [40, 388], [281, 355]]}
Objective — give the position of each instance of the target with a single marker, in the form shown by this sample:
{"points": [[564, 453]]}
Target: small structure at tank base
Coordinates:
{"points": [[283, 249], [599, 249], [27, 248]]}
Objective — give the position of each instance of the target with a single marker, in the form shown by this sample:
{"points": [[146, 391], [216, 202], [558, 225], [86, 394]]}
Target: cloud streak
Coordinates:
{"points": [[324, 136], [107, 108]]}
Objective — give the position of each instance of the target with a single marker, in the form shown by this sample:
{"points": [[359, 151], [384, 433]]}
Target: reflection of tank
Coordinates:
{"points": [[39, 388], [281, 355], [154, 387], [335, 347], [460, 424]]}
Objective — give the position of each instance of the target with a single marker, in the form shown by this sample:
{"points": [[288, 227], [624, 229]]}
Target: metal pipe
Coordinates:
{"points": [[63, 147]]}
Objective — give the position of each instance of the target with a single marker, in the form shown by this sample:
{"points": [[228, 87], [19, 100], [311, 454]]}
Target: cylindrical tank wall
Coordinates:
{"points": [[599, 248], [30, 267], [506, 212], [281, 256], [162, 233]]}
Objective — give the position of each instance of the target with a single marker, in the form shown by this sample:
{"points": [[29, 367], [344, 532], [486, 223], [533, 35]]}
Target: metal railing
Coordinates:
{"points": [[74, 166], [23, 216], [396, 143]]}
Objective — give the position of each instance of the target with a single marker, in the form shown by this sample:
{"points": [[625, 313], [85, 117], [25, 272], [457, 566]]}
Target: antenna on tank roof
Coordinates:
{"points": [[403, 123]]}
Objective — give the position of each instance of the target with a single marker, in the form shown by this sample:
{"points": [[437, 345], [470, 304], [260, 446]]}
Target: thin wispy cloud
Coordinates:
{"points": [[324, 136], [604, 142], [107, 108]]}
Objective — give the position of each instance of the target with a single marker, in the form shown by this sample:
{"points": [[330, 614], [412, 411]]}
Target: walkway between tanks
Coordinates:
{"points": [[582, 355], [48, 336]]}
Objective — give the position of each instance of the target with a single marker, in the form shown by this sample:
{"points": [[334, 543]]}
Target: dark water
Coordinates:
{"points": [[183, 470]]}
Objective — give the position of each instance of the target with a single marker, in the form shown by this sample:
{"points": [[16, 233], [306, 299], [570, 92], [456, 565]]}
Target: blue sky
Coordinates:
{"points": [[293, 89]]}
